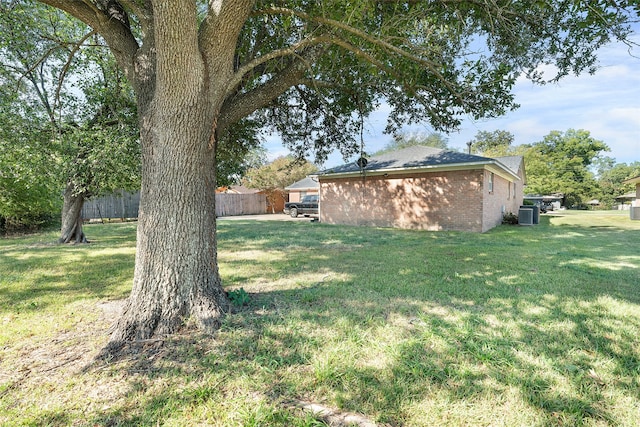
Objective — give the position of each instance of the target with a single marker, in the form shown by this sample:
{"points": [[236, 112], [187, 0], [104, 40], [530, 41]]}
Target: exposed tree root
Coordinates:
{"points": [[334, 417], [141, 326]]}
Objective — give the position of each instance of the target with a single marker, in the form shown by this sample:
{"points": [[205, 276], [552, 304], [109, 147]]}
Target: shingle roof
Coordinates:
{"points": [[631, 195], [417, 157], [240, 189], [309, 182], [512, 162]]}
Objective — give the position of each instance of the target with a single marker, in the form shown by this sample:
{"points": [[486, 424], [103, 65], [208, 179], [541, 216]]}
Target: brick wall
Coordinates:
{"points": [[430, 201], [452, 200], [502, 199]]}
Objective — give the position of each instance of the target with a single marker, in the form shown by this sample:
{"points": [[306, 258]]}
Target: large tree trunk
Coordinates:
{"points": [[180, 91], [71, 229], [176, 279]]}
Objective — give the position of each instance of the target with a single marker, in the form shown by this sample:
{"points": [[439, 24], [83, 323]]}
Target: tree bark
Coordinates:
{"points": [[176, 280], [71, 229]]}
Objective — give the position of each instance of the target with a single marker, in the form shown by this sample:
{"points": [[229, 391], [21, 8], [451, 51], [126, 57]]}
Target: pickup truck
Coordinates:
{"points": [[307, 206]]}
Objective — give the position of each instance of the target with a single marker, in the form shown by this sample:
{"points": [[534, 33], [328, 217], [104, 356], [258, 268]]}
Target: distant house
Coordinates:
{"points": [[308, 185], [635, 205], [635, 181], [423, 188], [626, 200], [237, 189], [550, 202]]}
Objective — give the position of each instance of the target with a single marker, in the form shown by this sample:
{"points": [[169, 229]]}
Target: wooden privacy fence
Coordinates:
{"points": [[126, 205], [228, 204], [118, 205]]}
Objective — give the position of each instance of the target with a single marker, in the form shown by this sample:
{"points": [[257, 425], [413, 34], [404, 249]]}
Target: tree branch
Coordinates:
{"points": [[116, 33], [139, 8], [66, 66], [431, 66], [279, 53], [243, 104], [354, 31], [218, 35]]}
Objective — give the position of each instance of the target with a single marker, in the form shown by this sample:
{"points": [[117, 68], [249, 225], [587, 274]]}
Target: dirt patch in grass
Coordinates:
{"points": [[335, 417], [33, 362], [63, 381], [111, 309]]}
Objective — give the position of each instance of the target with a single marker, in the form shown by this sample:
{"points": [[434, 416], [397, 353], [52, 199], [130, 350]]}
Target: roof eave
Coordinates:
{"points": [[493, 166], [302, 188], [635, 180]]}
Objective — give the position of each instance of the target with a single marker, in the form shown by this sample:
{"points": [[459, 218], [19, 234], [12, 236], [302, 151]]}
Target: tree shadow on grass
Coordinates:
{"points": [[570, 327], [464, 328], [459, 357], [92, 277], [45, 272]]}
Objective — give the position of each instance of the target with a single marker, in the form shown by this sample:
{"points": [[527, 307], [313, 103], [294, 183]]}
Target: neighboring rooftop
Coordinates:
{"points": [[237, 189], [308, 183], [512, 162], [628, 196]]}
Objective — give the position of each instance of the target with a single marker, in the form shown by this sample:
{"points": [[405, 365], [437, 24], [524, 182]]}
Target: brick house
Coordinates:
{"points": [[423, 188], [298, 189]]}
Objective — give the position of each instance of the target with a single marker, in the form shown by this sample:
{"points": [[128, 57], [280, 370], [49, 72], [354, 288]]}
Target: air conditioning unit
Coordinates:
{"points": [[536, 213], [635, 212], [525, 216]]}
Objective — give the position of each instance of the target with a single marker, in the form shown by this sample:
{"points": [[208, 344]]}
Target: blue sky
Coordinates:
{"points": [[607, 104]]}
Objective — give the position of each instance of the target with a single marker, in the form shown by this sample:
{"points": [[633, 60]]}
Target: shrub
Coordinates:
{"points": [[510, 218]]}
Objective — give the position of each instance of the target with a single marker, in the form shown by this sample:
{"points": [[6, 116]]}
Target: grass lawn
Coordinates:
{"points": [[520, 326]]}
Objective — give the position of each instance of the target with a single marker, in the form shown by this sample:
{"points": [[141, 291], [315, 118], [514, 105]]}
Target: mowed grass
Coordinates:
{"points": [[520, 326]]}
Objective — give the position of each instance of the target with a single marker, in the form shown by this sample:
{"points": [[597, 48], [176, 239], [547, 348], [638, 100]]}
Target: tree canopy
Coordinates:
{"points": [[310, 71], [611, 177], [278, 174], [318, 66], [560, 163], [570, 163], [492, 144], [29, 185], [76, 108]]}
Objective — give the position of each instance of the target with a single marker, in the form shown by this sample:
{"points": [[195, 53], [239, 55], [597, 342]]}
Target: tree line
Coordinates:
{"points": [[571, 163]]}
